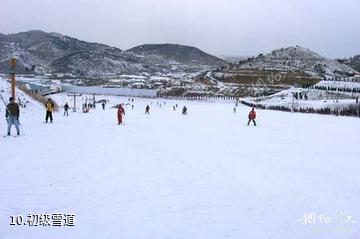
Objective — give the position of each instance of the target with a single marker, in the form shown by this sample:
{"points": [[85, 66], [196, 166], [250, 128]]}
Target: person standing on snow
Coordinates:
{"points": [[12, 115], [49, 109], [103, 105], [120, 113], [252, 116], [66, 109], [184, 110], [147, 110]]}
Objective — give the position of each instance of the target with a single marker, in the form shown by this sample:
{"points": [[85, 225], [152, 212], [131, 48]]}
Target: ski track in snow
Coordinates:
{"points": [[164, 175]]}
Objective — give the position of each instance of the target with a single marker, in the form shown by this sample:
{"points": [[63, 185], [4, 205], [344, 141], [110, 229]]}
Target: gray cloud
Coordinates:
{"points": [[230, 27]]}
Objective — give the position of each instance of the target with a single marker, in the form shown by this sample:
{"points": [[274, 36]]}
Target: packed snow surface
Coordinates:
{"points": [[164, 175]]}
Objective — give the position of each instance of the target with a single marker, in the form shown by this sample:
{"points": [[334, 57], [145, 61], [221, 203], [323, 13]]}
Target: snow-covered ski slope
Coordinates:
{"points": [[166, 176]]}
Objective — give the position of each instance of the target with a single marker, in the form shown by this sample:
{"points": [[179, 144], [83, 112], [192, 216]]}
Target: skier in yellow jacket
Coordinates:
{"points": [[49, 109]]}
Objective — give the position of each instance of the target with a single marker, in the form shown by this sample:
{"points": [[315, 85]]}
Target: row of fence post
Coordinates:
{"points": [[198, 97]]}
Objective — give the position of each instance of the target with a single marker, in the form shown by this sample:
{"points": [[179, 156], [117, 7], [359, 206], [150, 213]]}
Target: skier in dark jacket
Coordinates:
{"points": [[66, 109], [147, 110], [12, 115], [252, 116], [184, 110]]}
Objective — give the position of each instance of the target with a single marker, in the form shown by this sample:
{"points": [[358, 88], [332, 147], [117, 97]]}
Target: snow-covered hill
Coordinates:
{"points": [[176, 53], [38, 48], [353, 62], [279, 70], [95, 64], [25, 101], [297, 58]]}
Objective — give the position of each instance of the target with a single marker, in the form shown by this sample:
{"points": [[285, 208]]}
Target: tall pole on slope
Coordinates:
{"points": [[74, 109], [74, 95], [12, 75]]}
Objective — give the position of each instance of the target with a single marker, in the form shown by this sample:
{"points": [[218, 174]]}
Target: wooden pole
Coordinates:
{"points": [[13, 81]]}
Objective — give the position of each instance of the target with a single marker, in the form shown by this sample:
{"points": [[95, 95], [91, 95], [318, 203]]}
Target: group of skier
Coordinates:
{"points": [[121, 113], [13, 113]]}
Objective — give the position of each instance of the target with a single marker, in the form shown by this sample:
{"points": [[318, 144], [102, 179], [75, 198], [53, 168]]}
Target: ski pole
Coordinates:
{"points": [[21, 128]]}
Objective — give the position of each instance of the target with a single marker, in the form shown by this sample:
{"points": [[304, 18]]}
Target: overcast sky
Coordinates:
{"points": [[220, 27]]}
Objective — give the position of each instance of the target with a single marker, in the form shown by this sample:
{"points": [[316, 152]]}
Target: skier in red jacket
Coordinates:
{"points": [[120, 114], [252, 116]]}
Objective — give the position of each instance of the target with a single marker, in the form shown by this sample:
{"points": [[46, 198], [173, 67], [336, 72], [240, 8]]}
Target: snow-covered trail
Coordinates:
{"points": [[204, 175]]}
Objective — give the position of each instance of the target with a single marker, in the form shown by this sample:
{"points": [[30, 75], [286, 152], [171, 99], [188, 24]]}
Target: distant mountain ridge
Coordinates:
{"points": [[177, 53], [57, 53], [171, 69], [353, 62], [40, 49]]}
